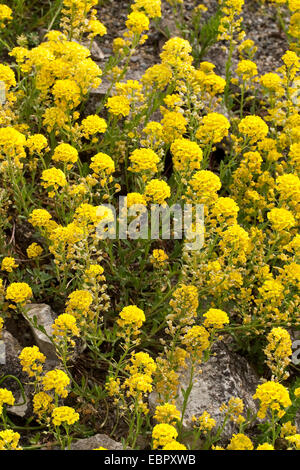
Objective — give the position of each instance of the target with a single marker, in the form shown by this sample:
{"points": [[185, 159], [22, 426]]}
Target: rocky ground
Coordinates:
{"points": [[226, 374]]}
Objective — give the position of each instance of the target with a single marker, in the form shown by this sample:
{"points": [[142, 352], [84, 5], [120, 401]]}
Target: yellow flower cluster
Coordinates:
{"points": [[159, 258], [5, 15], [187, 155], [19, 292], [6, 398], [8, 264], [144, 161], [204, 422], [64, 325], [167, 413], [215, 318], [131, 317], [56, 380], [240, 442], [273, 396], [9, 440], [157, 191], [32, 361], [163, 434], [64, 415], [214, 127], [278, 352], [34, 250]]}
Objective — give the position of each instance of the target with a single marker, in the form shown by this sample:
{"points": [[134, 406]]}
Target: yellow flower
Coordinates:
{"points": [[18, 292], [64, 415], [271, 289], [143, 160], [94, 272], [6, 398], [138, 383], [167, 413], [96, 28], [214, 127], [176, 53], [287, 429], [197, 340], [9, 439], [41, 218], [205, 423], [225, 209], [118, 105], [265, 446], [102, 164], [64, 325], [152, 8], [5, 14], [42, 404], [254, 128], [159, 258], [37, 143], [215, 318], [240, 442], [141, 362], [247, 69], [294, 155], [56, 380], [137, 22], [53, 178], [187, 155], [272, 395], [65, 153], [157, 76], [278, 350], [132, 316], [288, 185], [185, 300], [157, 191], [34, 250], [272, 82], [31, 360], [93, 125], [8, 264], [281, 219], [294, 5], [174, 445], [295, 439], [7, 76], [173, 126], [204, 186], [163, 434], [79, 303], [235, 239], [66, 94], [135, 198]]}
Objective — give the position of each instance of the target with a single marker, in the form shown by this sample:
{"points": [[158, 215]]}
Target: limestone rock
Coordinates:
{"points": [[98, 440], [96, 52], [10, 365], [44, 318], [224, 375]]}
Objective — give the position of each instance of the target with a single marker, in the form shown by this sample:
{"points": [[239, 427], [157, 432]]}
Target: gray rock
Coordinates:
{"points": [[45, 318], [98, 440], [104, 86], [10, 365], [96, 52], [223, 376]]}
